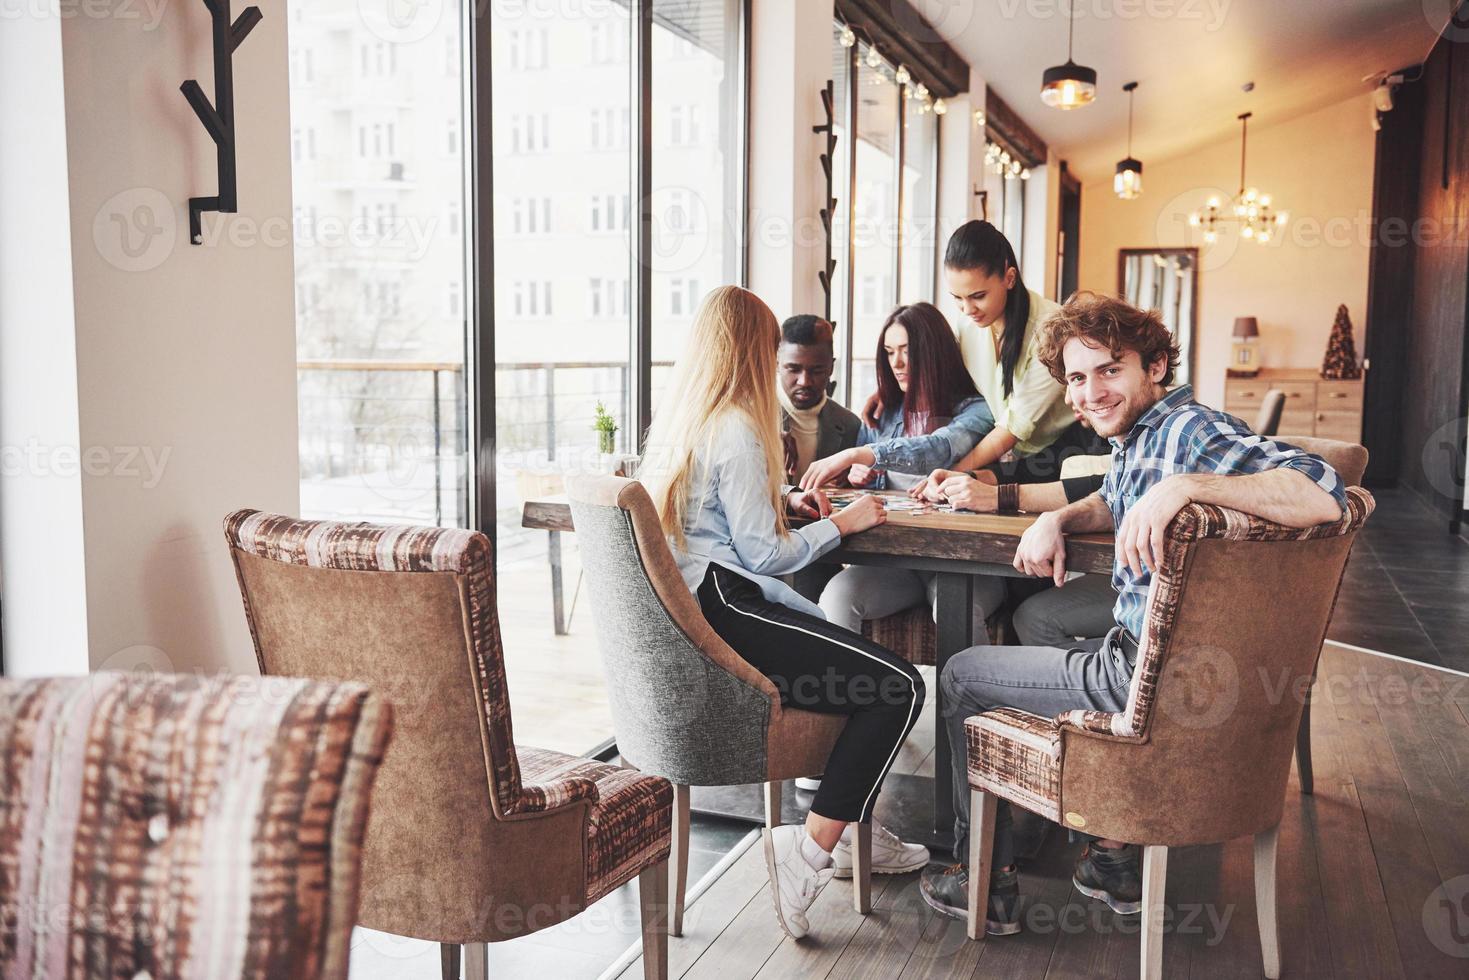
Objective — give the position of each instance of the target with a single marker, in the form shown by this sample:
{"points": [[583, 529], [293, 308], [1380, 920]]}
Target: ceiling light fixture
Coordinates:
{"points": [[1254, 211], [1070, 85], [1128, 181]]}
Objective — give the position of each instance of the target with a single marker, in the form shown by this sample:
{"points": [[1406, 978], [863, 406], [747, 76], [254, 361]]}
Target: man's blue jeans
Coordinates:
{"points": [[1045, 681]]}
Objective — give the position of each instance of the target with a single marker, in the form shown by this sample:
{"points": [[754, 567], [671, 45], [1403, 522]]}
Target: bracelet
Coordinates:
{"points": [[1009, 498]]}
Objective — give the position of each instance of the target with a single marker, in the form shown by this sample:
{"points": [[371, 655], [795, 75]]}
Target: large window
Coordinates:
{"points": [[567, 257], [698, 173], [378, 186], [887, 189]]}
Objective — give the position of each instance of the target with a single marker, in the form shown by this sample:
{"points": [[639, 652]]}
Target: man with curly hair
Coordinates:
{"points": [[1116, 362]]}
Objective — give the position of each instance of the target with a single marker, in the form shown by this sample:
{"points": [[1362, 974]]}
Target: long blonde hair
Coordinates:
{"points": [[728, 366]]}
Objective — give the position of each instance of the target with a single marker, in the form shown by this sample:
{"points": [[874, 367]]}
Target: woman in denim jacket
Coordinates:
{"points": [[932, 417]]}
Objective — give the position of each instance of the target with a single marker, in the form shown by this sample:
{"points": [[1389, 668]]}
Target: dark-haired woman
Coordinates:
{"points": [[997, 336], [932, 415]]}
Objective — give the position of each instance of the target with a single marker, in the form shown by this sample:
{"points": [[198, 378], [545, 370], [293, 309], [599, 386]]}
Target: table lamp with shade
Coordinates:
{"points": [[1245, 361]]}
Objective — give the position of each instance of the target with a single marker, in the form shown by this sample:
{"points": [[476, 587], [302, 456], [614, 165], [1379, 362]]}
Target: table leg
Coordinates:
{"points": [[955, 614], [553, 552]]}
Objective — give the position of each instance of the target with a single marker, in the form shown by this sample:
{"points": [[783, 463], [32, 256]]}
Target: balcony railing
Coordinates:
{"points": [[385, 440]]}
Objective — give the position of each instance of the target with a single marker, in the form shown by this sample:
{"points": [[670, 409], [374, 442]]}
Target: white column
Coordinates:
{"points": [[790, 66], [42, 573], [961, 167]]}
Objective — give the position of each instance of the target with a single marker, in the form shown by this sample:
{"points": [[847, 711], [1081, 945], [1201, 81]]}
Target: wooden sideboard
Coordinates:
{"points": [[1314, 406]]}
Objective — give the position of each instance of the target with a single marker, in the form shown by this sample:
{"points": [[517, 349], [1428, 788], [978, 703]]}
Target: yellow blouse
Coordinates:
{"points": [[1036, 412]]}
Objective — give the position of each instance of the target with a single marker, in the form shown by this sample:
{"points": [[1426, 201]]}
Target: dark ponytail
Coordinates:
{"points": [[980, 245]]}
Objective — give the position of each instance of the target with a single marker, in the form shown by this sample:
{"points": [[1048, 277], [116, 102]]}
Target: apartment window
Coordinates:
{"points": [[608, 298], [680, 214], [377, 59], [529, 48], [454, 300], [530, 133], [609, 212], [532, 215], [683, 297], [451, 134], [609, 43], [532, 298], [610, 128], [454, 219], [683, 125]]}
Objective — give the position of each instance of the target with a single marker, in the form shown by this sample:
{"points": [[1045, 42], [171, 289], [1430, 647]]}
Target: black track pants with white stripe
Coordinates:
{"points": [[824, 668]]}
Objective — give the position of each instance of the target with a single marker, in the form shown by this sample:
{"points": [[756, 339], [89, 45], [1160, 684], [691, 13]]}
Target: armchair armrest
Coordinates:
{"points": [[1110, 725], [556, 793], [549, 781]]}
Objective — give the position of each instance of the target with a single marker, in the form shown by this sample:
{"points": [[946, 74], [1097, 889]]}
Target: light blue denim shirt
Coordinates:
{"points": [[730, 520], [941, 448]]}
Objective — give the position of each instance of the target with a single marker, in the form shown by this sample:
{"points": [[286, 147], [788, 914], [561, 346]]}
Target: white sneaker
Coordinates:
{"points": [[808, 783], [794, 884], [890, 856]]}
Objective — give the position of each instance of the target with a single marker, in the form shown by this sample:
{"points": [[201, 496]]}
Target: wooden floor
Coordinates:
{"points": [[1373, 872]]}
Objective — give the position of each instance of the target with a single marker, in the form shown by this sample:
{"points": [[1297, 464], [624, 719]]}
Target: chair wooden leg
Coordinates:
{"points": [[477, 961], [1303, 749], [1265, 908], [1155, 880], [862, 868], [981, 857], [772, 804], [678, 859], [449, 961], [653, 906]]}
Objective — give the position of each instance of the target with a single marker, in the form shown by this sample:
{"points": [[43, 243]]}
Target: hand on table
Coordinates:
{"points": [[864, 512], [1042, 550], [967, 493], [808, 503], [861, 475], [928, 487]]}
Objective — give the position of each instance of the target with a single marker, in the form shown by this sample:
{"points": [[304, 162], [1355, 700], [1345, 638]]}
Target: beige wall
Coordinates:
{"points": [[1319, 167], [185, 355]]}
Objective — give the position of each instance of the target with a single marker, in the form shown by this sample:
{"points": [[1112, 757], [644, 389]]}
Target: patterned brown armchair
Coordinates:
{"points": [[153, 825], [1236, 617], [473, 839]]}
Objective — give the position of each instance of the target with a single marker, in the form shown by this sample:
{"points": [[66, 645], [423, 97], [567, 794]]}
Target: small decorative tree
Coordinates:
{"points": [[1341, 354], [606, 429]]}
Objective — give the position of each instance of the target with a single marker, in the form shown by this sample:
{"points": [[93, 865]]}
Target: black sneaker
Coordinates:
{"points": [[946, 890], [1113, 875]]}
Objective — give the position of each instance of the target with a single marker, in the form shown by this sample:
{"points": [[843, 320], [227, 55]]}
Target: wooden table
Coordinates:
{"points": [[955, 546]]}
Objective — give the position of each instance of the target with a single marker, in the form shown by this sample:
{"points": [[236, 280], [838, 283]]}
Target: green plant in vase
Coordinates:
{"points": [[606, 429]]}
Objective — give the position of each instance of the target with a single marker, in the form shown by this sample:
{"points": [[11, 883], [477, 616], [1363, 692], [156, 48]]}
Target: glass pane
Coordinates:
{"points": [[377, 178], [875, 223], [841, 114], [697, 174], [562, 131], [920, 200]]}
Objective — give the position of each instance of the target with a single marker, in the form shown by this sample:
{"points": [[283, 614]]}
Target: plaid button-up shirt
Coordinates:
{"points": [[1178, 435]]}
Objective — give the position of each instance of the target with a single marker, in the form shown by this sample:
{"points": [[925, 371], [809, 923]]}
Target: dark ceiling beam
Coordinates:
{"points": [[904, 37], [1011, 129]]}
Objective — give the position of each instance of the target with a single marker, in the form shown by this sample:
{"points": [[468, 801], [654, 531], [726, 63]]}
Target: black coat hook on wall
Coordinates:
{"points": [[219, 119]]}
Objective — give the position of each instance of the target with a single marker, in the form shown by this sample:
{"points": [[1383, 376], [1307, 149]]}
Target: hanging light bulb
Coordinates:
{"points": [[920, 92], [847, 37], [940, 107], [979, 118], [901, 76], [1025, 174], [1070, 85], [874, 60], [1127, 183]]}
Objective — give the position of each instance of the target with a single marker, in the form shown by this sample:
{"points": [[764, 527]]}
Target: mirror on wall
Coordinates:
{"points": [[1166, 280]]}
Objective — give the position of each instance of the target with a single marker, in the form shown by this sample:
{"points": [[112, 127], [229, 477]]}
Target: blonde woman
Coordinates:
{"points": [[713, 468]]}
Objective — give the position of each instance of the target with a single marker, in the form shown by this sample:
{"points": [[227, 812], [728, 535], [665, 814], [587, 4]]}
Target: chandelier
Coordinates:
{"points": [[1255, 212]]}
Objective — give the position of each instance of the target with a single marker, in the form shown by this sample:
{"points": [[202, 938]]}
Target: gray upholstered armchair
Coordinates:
{"points": [[684, 705]]}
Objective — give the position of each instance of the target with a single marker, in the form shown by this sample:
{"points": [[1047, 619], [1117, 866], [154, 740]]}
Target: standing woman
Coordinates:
{"points": [[997, 337], [713, 468]]}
